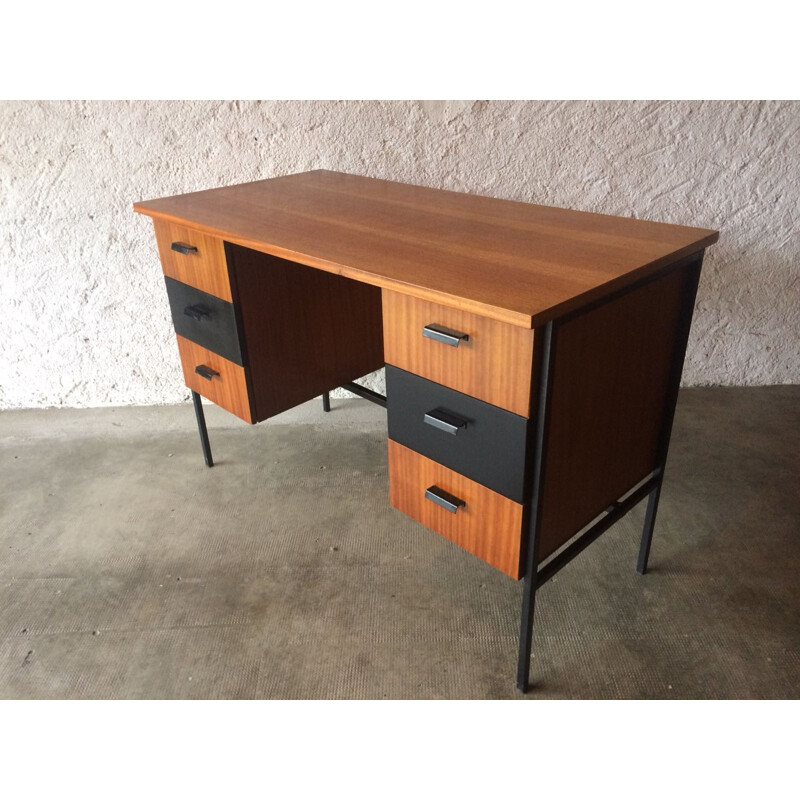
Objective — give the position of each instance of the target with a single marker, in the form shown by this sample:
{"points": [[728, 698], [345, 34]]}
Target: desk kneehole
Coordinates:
{"points": [[487, 525], [476, 355], [215, 378]]}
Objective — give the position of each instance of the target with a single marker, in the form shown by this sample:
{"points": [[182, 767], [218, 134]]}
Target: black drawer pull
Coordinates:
{"points": [[443, 499], [444, 335], [206, 372], [186, 249], [444, 421], [198, 312]]}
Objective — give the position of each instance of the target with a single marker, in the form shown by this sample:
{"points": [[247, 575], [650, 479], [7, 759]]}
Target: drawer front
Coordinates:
{"points": [[205, 319], [488, 525], [226, 384], [203, 266], [493, 364], [479, 440]]}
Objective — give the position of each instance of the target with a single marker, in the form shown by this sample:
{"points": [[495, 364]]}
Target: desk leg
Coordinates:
{"points": [[201, 427], [649, 524], [676, 371], [326, 401], [526, 633], [536, 451]]}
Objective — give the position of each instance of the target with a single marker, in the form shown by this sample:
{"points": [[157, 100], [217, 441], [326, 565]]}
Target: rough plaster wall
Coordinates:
{"points": [[84, 319]]}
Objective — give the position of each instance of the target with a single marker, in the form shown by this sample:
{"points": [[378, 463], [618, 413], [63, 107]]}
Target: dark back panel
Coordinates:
{"points": [[610, 376], [306, 331], [489, 450], [215, 330]]}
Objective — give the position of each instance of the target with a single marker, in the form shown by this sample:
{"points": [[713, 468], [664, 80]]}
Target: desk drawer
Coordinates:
{"points": [[226, 384], [203, 265], [494, 364], [205, 319], [481, 441], [488, 525]]}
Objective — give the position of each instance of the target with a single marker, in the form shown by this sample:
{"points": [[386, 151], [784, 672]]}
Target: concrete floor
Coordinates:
{"points": [[130, 570]]}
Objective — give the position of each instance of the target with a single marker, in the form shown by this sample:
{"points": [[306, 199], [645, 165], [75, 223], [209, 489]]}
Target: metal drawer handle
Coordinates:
{"points": [[444, 499], [186, 249], [198, 312], [444, 335], [444, 421], [206, 372]]}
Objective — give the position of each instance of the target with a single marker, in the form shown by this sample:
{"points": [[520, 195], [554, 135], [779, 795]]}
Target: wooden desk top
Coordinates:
{"points": [[516, 262]]}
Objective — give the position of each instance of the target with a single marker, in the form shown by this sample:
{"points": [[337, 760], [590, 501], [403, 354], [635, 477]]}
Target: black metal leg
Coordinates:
{"points": [[649, 525], [679, 355], [526, 632], [536, 470], [201, 426], [326, 401]]}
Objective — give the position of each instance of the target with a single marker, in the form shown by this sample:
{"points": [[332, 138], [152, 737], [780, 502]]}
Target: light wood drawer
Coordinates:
{"points": [[203, 267], [494, 364], [488, 525], [226, 388]]}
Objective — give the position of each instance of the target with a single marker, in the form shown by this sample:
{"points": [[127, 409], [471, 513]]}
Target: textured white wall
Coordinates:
{"points": [[84, 319]]}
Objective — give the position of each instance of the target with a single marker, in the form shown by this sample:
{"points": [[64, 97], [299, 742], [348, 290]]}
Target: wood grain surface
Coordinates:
{"points": [[488, 526], [516, 262], [306, 331], [611, 371], [205, 270], [228, 390], [494, 365]]}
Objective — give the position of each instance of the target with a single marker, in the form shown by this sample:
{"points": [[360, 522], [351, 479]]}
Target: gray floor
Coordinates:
{"points": [[130, 570]]}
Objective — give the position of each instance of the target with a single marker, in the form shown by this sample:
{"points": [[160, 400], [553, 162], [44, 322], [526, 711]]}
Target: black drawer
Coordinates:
{"points": [[479, 440], [205, 319]]}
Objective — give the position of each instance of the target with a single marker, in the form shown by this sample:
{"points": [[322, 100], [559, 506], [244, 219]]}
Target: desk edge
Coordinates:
{"points": [[518, 318]]}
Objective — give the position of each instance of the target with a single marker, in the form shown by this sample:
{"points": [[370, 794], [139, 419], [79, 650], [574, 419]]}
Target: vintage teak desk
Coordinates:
{"points": [[533, 354]]}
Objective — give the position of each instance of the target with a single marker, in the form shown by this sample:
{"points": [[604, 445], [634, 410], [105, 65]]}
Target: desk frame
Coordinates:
{"points": [[537, 576], [589, 315]]}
